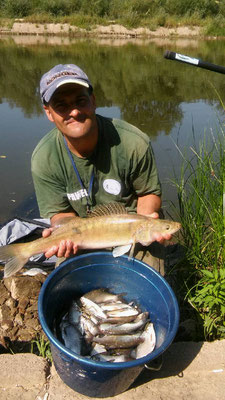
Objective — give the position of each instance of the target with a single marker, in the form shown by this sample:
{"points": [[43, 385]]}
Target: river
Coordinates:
{"points": [[176, 104]]}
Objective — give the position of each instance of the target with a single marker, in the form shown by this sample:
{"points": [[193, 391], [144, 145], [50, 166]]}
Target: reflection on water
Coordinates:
{"points": [[172, 102]]}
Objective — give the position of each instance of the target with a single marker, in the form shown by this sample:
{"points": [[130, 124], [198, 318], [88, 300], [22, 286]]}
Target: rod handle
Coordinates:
{"points": [[171, 55]]}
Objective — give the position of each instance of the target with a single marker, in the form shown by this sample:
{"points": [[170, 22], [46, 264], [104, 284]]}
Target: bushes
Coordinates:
{"points": [[16, 9], [135, 10], [189, 7]]}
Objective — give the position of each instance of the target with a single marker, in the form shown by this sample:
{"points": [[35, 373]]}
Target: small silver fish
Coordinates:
{"points": [[120, 329], [119, 341], [91, 307], [126, 312], [88, 326], [148, 342], [102, 295], [34, 272]]}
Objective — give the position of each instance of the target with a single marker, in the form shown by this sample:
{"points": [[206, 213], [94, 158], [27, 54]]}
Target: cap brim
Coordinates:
{"points": [[49, 93]]}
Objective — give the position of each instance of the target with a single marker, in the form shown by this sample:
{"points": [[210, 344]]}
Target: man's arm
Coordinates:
{"points": [[148, 204]]}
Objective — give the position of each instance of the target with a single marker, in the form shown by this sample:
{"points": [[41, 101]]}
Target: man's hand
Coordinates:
{"points": [[160, 237], [150, 204], [66, 248]]}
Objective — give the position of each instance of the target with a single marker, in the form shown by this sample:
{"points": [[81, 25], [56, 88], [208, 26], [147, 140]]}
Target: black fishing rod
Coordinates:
{"points": [[171, 55]]}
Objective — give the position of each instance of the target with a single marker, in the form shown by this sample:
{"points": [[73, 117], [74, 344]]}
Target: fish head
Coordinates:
{"points": [[149, 231]]}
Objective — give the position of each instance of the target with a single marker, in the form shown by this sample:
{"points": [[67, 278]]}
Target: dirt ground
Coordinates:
{"points": [[190, 371]]}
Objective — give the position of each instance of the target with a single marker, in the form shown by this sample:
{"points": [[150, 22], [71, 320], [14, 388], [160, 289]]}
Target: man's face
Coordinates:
{"points": [[72, 109]]}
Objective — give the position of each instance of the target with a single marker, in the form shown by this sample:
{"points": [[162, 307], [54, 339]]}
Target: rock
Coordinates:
{"points": [[7, 324], [18, 319], [19, 323], [23, 302], [4, 312], [23, 286], [4, 294]]}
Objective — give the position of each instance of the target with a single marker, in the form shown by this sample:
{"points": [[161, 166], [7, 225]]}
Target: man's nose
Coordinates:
{"points": [[74, 111]]}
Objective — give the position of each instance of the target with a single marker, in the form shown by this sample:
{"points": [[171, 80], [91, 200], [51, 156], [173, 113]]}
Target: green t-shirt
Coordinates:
{"points": [[123, 164]]}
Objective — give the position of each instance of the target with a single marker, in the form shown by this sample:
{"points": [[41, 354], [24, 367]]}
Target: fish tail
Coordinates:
{"points": [[15, 257]]}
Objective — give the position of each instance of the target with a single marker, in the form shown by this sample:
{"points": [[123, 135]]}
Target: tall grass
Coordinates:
{"points": [[200, 189]]}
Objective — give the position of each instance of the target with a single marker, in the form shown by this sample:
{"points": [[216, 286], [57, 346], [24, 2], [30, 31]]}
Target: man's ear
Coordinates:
{"points": [[48, 113]]}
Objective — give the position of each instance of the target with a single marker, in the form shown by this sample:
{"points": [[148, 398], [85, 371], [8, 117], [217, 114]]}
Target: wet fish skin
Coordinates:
{"points": [[125, 312], [119, 341], [148, 342], [126, 328], [72, 338], [74, 313], [102, 340], [90, 233], [102, 295], [88, 326], [91, 307]]}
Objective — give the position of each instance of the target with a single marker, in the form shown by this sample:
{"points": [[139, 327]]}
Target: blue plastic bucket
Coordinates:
{"points": [[140, 283]]}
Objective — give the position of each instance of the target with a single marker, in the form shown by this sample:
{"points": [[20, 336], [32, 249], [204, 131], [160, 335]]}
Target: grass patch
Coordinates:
{"points": [[200, 195], [41, 347]]}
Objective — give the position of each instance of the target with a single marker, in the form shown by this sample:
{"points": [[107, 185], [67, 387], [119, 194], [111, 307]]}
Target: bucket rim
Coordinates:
{"points": [[107, 365]]}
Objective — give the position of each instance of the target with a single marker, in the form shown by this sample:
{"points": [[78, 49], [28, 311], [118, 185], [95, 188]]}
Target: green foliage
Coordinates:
{"points": [[58, 7], [200, 194], [208, 298], [98, 8], [132, 12], [16, 9], [182, 7], [42, 347], [216, 27]]}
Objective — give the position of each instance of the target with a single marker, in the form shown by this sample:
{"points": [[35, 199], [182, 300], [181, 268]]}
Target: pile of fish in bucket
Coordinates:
{"points": [[102, 326]]}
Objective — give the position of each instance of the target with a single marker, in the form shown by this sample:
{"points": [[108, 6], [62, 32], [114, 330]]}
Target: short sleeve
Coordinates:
{"points": [[50, 193], [145, 179]]}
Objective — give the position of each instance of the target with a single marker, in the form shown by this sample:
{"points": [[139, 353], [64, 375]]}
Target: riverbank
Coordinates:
{"points": [[19, 27]]}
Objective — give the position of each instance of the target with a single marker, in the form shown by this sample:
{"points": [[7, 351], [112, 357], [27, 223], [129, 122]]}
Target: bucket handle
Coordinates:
{"points": [[158, 366], [65, 358]]}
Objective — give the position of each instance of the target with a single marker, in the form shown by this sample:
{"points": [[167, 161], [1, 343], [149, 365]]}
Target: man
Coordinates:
{"points": [[88, 159]]}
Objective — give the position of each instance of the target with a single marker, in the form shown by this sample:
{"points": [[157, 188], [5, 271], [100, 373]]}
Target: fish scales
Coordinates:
{"points": [[89, 233]]}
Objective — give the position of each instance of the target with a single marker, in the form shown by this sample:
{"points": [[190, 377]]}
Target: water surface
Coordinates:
{"points": [[174, 103]]}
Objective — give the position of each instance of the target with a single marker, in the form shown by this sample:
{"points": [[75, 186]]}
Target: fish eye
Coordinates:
{"points": [[167, 227]]}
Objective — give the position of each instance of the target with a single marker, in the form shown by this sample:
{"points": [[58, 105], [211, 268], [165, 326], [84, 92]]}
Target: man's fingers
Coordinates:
{"points": [[47, 232], [154, 215], [65, 249], [69, 248], [51, 252]]}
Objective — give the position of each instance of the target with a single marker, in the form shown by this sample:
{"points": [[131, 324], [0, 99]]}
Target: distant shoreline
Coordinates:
{"points": [[114, 30]]}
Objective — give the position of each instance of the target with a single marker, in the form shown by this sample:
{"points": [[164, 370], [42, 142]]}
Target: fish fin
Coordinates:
{"points": [[14, 265], [120, 250], [15, 258], [131, 254], [107, 209]]}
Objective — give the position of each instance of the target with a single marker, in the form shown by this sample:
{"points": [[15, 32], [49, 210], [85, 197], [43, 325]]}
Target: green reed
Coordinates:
{"points": [[200, 190], [41, 347]]}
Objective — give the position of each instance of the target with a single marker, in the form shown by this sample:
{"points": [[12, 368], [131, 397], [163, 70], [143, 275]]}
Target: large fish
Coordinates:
{"points": [[107, 226]]}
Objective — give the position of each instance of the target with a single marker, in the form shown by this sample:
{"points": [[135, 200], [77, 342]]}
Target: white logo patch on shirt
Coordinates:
{"points": [[112, 186]]}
